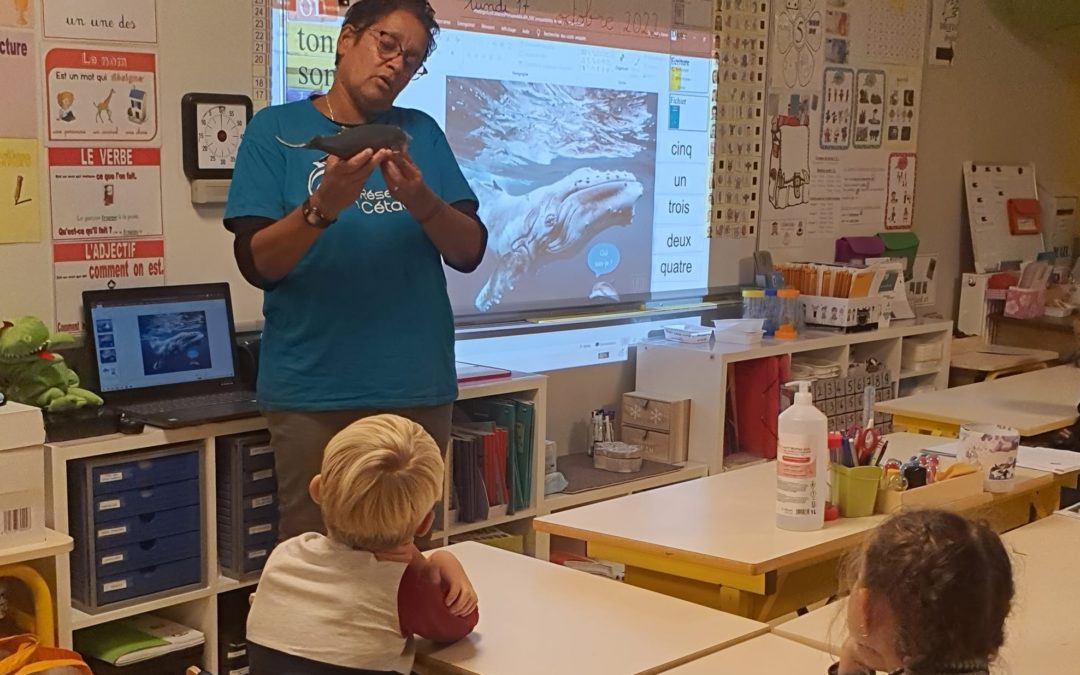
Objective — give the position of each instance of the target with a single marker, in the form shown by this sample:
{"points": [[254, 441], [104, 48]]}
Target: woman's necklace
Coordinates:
{"points": [[330, 108]]}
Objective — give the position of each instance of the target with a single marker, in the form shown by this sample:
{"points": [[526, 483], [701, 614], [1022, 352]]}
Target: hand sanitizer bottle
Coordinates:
{"points": [[802, 464]]}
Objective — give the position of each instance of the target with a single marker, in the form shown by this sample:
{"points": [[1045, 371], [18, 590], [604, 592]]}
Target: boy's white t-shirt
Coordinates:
{"points": [[321, 600]]}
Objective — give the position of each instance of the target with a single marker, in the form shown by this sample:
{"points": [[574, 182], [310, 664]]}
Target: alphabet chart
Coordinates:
{"points": [[740, 31]]}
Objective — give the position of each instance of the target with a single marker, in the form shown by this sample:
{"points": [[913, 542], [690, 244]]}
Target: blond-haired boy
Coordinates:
{"points": [[349, 602]]}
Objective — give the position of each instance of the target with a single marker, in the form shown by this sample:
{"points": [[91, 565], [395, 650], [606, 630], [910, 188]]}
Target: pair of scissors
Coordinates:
{"points": [[866, 441]]}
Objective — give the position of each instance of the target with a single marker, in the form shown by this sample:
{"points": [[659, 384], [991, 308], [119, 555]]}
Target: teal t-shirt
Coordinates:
{"points": [[363, 320]]}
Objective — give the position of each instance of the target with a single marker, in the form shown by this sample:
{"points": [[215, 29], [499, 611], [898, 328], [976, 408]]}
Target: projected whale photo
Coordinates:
{"points": [[174, 342], [565, 176]]}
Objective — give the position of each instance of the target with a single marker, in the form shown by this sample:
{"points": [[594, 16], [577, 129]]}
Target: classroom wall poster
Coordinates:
{"points": [[106, 20], [100, 265], [20, 199], [94, 95], [944, 32], [900, 197], [902, 100], [105, 192], [855, 67], [18, 82], [18, 13]]}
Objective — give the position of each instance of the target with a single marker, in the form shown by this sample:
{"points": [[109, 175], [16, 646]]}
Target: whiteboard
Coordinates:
{"points": [[988, 189]]}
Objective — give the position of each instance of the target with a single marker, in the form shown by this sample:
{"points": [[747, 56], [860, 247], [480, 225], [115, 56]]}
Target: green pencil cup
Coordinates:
{"points": [[855, 489]]}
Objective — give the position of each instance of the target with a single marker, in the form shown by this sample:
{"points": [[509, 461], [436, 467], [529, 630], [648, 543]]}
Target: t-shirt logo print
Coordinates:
{"points": [[370, 201]]}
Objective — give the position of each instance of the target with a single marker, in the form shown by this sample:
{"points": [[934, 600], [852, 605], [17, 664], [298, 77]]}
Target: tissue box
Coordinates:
{"points": [[1024, 303], [22, 475]]}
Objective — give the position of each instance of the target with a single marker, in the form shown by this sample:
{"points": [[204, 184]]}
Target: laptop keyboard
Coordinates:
{"points": [[188, 402]]}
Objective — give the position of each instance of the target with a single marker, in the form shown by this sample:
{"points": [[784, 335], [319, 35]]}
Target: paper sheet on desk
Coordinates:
{"points": [[1037, 459]]}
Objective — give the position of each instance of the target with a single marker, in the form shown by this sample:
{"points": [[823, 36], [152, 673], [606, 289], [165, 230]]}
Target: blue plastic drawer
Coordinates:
{"points": [[252, 508], [258, 456], [147, 526], [255, 558], [261, 481], [149, 580], [142, 554], [145, 500], [124, 476], [255, 534]]}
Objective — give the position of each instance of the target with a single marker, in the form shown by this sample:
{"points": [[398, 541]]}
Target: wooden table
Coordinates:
{"points": [[714, 541], [1041, 634], [1033, 403], [765, 655], [538, 617], [823, 629], [972, 360], [1035, 494], [1044, 332]]}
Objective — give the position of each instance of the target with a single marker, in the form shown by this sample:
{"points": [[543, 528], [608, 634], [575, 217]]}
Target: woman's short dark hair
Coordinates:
{"points": [[363, 13]]}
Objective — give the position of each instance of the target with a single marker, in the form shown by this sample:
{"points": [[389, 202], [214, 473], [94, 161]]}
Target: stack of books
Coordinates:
{"points": [[136, 639]]}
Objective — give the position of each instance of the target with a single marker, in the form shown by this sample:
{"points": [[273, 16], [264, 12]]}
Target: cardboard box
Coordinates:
{"points": [[22, 476], [20, 426], [954, 493]]}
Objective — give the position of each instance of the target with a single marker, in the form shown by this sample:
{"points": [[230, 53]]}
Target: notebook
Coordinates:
{"points": [[165, 355]]}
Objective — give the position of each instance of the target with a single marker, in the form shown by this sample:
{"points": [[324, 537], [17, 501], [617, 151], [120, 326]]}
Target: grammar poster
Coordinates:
{"points": [[94, 95], [105, 192], [102, 265]]}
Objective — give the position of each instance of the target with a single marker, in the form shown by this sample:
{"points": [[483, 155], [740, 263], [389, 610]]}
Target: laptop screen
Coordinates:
{"points": [[164, 340]]}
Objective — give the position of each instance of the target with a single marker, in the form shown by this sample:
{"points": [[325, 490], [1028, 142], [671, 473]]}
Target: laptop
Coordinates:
{"points": [[165, 355]]}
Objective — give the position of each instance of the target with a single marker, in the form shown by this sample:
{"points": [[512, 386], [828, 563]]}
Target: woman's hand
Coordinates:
{"points": [[406, 184], [343, 180]]}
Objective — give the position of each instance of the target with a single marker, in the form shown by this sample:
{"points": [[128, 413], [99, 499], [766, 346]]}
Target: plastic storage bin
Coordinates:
{"points": [[247, 503], [137, 523]]}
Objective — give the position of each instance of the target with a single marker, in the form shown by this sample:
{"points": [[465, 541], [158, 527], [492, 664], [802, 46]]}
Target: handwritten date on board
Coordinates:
{"points": [[580, 14]]}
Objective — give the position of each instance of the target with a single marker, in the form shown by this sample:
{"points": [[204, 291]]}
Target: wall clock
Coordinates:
{"points": [[213, 126]]}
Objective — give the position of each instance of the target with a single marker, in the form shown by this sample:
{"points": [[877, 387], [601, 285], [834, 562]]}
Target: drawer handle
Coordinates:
{"points": [[147, 545], [146, 493], [146, 465], [147, 517]]}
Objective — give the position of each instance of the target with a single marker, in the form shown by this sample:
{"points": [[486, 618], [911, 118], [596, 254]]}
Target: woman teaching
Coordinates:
{"points": [[349, 253]]}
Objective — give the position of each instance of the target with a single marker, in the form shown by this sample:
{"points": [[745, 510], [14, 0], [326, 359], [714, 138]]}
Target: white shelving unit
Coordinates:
{"points": [[700, 372], [199, 608]]}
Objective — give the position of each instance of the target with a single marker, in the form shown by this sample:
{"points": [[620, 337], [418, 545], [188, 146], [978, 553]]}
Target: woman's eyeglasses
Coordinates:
{"points": [[389, 46]]}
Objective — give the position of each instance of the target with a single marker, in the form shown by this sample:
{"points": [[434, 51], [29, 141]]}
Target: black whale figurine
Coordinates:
{"points": [[352, 140]]}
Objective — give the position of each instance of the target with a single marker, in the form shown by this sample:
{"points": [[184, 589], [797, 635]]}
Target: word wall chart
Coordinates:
{"points": [[740, 35], [841, 115]]}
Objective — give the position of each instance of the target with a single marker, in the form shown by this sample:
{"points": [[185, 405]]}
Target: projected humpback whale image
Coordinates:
{"points": [[174, 342], [565, 176]]}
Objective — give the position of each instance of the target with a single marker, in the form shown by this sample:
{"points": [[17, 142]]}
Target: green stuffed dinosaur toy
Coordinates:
{"points": [[31, 374]]}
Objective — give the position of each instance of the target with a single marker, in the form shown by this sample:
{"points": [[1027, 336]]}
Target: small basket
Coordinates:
{"points": [[617, 457]]}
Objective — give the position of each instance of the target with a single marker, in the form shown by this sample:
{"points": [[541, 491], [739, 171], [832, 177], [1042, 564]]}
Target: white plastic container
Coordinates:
{"points": [[802, 464]]}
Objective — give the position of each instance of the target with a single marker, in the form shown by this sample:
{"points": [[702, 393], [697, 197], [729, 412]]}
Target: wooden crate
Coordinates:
{"points": [[955, 492]]}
